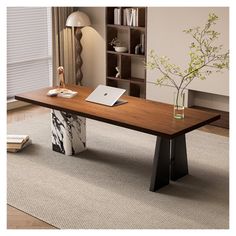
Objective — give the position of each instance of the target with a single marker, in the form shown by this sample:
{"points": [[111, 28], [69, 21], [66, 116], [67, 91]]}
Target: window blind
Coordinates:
{"points": [[29, 49]]}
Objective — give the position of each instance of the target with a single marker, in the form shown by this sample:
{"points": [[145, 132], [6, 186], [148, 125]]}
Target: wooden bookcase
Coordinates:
{"points": [[131, 64]]}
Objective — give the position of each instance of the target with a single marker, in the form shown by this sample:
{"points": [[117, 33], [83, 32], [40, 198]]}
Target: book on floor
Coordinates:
{"points": [[29, 141], [17, 142], [17, 138]]}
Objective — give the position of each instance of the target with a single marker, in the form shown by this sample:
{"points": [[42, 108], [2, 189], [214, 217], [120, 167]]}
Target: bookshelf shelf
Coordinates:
{"points": [[126, 54], [130, 64], [126, 27], [136, 80], [128, 80], [118, 79]]}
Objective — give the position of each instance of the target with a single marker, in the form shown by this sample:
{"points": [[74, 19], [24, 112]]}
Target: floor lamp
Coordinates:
{"points": [[78, 20]]}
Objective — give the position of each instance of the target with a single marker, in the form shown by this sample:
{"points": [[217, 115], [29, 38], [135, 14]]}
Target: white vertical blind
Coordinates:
{"points": [[29, 49]]}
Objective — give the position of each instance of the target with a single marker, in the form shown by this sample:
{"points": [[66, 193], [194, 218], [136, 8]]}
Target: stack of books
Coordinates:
{"points": [[131, 16], [16, 143]]}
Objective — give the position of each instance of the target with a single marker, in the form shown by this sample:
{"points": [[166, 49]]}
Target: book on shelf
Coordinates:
{"points": [[124, 17], [117, 16], [128, 13]]}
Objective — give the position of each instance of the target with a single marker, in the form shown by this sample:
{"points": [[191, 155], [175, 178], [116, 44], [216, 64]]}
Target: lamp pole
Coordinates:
{"points": [[78, 59]]}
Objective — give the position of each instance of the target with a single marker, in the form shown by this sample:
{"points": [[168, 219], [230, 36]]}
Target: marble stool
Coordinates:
{"points": [[68, 132]]}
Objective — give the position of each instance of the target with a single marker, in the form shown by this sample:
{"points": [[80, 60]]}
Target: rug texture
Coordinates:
{"points": [[107, 186]]}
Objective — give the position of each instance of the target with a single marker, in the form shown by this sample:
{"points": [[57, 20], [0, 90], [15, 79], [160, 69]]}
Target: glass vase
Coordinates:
{"points": [[179, 100]]}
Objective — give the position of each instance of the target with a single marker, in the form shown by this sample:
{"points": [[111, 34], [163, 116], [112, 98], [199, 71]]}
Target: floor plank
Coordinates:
{"points": [[17, 219]]}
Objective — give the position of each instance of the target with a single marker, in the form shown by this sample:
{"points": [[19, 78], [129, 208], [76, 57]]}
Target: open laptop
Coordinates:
{"points": [[106, 95]]}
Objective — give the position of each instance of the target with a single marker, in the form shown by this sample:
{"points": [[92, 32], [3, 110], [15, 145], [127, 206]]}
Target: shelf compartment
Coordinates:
{"points": [[137, 90], [125, 67], [110, 15], [137, 37], [111, 34], [138, 69], [121, 34], [112, 62]]}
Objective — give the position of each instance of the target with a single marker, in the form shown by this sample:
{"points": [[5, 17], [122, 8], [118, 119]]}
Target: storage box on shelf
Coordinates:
{"points": [[126, 69]]}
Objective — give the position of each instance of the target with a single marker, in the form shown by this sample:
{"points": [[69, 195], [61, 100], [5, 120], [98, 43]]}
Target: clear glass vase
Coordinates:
{"points": [[179, 100]]}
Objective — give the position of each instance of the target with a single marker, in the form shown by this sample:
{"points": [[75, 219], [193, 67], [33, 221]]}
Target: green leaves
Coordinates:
{"points": [[212, 17], [204, 58]]}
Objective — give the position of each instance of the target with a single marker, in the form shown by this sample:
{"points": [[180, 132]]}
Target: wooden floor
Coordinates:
{"points": [[17, 219]]}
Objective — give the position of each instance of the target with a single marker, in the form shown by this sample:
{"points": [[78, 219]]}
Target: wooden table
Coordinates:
{"points": [[170, 158]]}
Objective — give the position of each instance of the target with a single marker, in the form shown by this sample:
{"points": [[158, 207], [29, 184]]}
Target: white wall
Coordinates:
{"points": [[93, 42], [165, 35]]}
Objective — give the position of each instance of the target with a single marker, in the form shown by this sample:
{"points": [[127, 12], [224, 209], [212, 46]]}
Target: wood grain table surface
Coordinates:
{"points": [[139, 114]]}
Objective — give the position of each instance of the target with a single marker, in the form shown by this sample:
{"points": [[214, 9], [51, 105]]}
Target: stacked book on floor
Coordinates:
{"points": [[16, 143]]}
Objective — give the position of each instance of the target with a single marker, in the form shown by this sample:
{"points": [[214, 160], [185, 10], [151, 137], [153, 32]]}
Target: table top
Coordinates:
{"points": [[139, 114]]}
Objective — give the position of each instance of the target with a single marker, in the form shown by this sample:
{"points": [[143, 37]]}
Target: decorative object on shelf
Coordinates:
{"points": [[137, 49], [117, 45], [61, 76], [120, 49], [205, 58], [79, 20], [115, 42], [142, 43], [118, 72]]}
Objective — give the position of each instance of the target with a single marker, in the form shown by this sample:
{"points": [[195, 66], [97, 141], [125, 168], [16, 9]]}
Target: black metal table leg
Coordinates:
{"points": [[161, 164], [179, 163]]}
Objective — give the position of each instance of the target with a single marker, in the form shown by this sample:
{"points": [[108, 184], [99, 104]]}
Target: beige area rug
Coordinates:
{"points": [[107, 186]]}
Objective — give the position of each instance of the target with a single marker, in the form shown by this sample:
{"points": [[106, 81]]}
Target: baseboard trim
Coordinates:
{"points": [[14, 104], [223, 122]]}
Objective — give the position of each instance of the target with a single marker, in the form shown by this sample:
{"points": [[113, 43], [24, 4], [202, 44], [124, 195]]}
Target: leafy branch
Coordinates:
{"points": [[205, 58]]}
